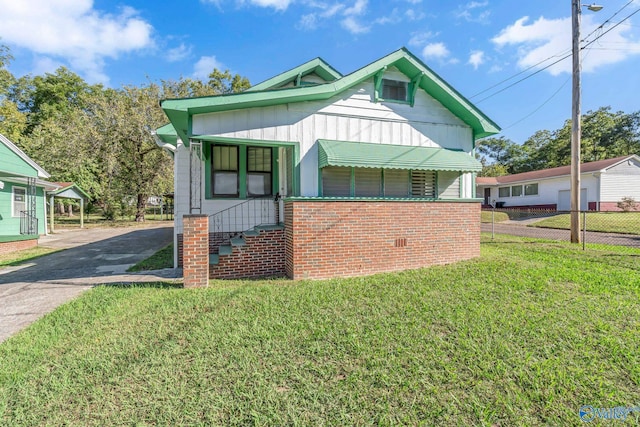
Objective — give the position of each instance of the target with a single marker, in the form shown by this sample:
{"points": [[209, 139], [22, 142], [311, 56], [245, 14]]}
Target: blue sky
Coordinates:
{"points": [[473, 45]]}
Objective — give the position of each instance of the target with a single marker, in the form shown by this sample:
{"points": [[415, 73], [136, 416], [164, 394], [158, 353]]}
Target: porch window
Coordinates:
{"points": [[368, 182], [423, 184], [259, 171], [19, 200], [225, 171], [336, 181], [504, 191], [396, 183]]}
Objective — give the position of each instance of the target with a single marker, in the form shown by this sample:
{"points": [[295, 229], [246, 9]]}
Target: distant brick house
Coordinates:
{"points": [[603, 184], [314, 174]]}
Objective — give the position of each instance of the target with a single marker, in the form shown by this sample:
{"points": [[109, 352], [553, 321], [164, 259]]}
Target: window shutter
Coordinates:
{"points": [[449, 185], [423, 184], [396, 183], [368, 182], [336, 181]]}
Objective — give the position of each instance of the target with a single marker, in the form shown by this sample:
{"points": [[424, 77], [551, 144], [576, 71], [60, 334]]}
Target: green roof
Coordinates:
{"points": [[368, 155], [167, 134], [316, 66], [179, 110]]}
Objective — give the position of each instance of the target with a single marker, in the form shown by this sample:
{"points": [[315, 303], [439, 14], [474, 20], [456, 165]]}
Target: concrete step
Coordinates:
{"points": [[225, 250], [214, 259], [238, 241]]}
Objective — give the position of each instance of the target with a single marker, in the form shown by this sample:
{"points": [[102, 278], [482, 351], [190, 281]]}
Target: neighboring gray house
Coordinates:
{"points": [[603, 184]]}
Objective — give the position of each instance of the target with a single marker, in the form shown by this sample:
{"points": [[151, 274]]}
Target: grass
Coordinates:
{"points": [[161, 259], [18, 257], [487, 217], [609, 222], [524, 335]]}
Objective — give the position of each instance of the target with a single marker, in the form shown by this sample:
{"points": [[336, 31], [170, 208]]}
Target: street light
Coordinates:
{"points": [[576, 131]]}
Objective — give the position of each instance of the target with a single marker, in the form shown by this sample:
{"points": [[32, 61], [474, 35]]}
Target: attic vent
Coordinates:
{"points": [[394, 90]]}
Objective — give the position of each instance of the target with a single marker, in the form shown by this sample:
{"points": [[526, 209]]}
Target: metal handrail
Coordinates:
{"points": [[244, 216], [28, 223]]}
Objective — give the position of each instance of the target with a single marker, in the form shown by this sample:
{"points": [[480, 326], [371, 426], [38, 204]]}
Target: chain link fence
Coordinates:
{"points": [[608, 228]]}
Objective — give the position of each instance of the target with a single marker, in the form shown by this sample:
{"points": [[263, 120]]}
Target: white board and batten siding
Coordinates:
{"points": [[621, 180], [350, 116]]}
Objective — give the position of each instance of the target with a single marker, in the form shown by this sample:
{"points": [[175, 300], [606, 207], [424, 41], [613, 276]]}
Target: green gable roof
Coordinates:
{"points": [[179, 110], [14, 162], [367, 155], [167, 134], [316, 66]]}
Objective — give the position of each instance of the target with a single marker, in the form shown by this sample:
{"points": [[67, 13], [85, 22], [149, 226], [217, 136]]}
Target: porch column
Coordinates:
{"points": [[195, 254], [81, 212], [51, 213]]}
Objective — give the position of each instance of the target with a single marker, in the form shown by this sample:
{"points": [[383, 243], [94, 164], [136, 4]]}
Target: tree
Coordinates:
{"points": [[500, 151]]}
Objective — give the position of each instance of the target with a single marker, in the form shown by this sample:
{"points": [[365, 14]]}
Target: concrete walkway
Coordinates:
{"points": [[91, 257]]}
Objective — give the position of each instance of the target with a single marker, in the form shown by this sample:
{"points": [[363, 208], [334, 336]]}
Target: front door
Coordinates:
{"points": [[487, 196]]}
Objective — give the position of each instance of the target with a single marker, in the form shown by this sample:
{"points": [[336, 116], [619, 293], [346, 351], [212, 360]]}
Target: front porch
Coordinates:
{"points": [[323, 238]]}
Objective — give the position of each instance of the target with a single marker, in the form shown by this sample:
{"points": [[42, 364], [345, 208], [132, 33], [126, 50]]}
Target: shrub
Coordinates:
{"points": [[627, 204]]}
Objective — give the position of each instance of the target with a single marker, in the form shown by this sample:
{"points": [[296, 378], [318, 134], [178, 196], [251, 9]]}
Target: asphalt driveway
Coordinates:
{"points": [[91, 257]]}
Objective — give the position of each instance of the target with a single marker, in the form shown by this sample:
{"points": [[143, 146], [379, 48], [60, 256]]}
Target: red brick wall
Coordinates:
{"points": [[215, 240], [6, 247], [352, 238], [195, 250], [261, 256], [610, 206]]}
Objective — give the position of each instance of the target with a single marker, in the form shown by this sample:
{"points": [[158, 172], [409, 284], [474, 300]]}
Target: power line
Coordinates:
{"points": [[599, 28], [559, 60]]}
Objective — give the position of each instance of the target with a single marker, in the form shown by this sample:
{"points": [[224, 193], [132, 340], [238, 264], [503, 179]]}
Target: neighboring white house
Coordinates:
{"points": [[603, 184], [390, 133]]}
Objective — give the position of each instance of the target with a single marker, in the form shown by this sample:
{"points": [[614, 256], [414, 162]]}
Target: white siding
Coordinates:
{"points": [[621, 181], [350, 116], [449, 185]]}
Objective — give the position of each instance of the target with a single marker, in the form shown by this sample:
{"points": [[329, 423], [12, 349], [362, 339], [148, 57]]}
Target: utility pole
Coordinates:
{"points": [[575, 124], [576, 128]]}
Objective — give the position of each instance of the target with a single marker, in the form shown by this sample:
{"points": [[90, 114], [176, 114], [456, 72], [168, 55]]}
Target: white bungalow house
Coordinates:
{"points": [[317, 174], [603, 184], [23, 213]]}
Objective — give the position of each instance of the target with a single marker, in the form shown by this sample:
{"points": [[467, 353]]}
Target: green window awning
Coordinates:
{"points": [[368, 155]]}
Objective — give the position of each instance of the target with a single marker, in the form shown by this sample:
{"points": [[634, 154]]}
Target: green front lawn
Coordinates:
{"points": [[18, 257], [489, 216], [525, 335], [161, 259], [610, 222]]}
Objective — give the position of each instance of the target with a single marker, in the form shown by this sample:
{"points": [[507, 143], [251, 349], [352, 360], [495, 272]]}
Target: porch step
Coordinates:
{"points": [[225, 250], [238, 241], [214, 259], [251, 233]]}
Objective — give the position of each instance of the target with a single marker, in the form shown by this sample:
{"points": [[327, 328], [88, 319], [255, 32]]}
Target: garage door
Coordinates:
{"points": [[564, 200]]}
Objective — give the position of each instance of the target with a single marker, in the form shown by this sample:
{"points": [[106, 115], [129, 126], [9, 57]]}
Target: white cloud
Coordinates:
{"points": [[178, 53], [276, 4], [476, 59], [44, 65], [419, 39], [308, 22], [350, 24], [546, 40], [358, 8], [73, 31], [474, 11], [435, 51], [412, 15], [205, 66]]}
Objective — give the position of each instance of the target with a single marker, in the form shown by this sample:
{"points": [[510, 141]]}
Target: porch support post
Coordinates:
{"points": [[81, 212], [51, 213], [195, 254]]}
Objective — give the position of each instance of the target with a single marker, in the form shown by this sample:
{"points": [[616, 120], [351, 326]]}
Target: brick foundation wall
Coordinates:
{"points": [[261, 256], [195, 251], [352, 238], [18, 245], [215, 240], [610, 207]]}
